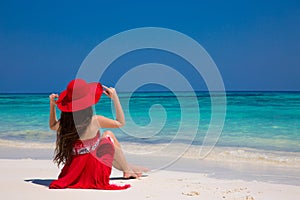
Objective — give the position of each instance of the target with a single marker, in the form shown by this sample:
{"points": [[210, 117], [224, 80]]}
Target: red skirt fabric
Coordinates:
{"points": [[90, 167]]}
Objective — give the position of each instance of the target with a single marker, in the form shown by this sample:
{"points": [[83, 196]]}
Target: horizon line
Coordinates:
{"points": [[163, 91]]}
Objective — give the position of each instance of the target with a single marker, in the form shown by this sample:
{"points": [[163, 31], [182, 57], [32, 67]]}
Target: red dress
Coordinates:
{"points": [[90, 166]]}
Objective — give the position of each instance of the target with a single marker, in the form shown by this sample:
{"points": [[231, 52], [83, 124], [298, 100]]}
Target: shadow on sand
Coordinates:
{"points": [[43, 182], [47, 182]]}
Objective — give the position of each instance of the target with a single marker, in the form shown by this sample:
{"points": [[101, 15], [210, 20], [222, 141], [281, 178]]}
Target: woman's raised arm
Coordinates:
{"points": [[53, 123], [120, 118]]}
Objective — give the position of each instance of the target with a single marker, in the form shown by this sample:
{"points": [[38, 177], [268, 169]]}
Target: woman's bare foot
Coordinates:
{"points": [[135, 172]]}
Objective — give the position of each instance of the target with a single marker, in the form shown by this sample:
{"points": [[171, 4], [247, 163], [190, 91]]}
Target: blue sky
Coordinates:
{"points": [[255, 44]]}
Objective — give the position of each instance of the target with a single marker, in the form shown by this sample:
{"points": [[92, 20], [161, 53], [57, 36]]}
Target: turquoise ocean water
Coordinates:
{"points": [[259, 120]]}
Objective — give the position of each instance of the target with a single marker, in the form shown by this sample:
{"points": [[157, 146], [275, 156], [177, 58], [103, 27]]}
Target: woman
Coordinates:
{"points": [[87, 156]]}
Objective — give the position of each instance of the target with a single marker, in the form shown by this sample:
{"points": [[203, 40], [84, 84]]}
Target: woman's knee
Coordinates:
{"points": [[112, 137], [108, 133]]}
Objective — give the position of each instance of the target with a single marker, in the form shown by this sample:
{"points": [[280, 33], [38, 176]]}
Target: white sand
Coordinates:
{"points": [[26, 179]]}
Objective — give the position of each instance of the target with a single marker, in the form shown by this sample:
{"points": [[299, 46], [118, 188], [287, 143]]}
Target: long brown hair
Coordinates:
{"points": [[71, 125]]}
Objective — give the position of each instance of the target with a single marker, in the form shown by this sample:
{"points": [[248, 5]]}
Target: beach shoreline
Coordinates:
{"points": [[220, 163], [28, 169]]}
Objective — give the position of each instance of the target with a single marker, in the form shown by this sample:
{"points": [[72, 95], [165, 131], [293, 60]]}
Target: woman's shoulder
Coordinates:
{"points": [[92, 130]]}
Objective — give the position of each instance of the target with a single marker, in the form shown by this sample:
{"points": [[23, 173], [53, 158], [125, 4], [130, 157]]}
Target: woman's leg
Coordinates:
{"points": [[120, 162]]}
